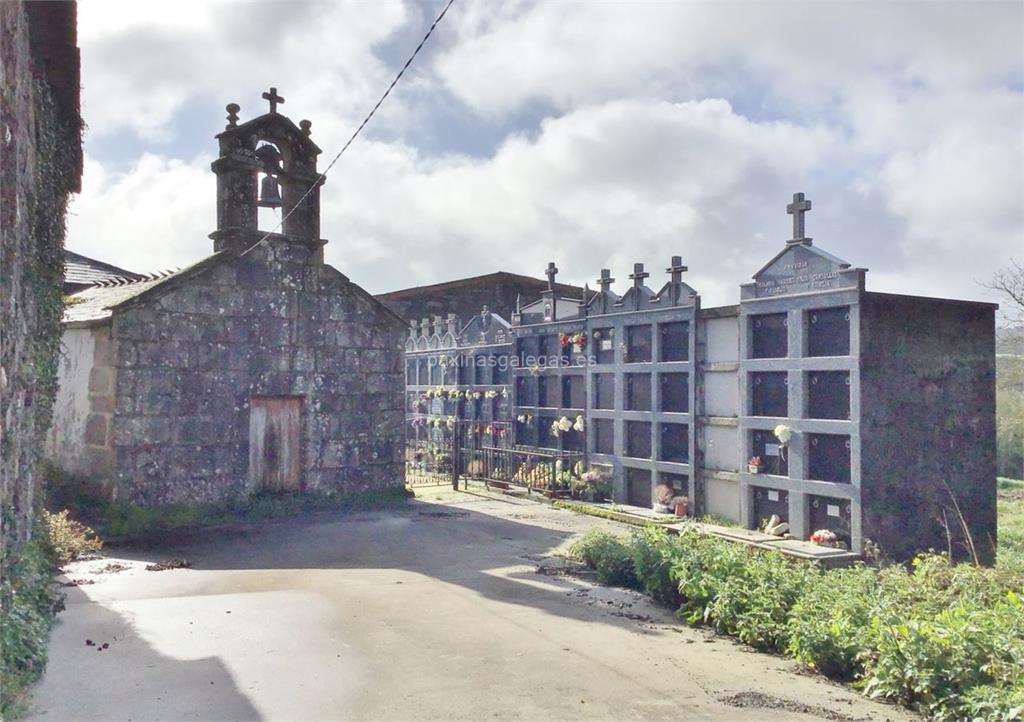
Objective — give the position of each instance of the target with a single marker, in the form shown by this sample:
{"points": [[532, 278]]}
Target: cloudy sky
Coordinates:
{"points": [[592, 134]]}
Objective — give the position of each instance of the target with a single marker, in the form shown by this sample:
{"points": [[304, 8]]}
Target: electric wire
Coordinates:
{"points": [[323, 173]]}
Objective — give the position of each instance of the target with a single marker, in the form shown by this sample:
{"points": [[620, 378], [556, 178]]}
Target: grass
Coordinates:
{"points": [[116, 521], [1010, 508]]}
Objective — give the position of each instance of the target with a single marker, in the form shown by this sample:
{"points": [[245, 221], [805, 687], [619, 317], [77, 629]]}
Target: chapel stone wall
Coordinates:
{"points": [[269, 323]]}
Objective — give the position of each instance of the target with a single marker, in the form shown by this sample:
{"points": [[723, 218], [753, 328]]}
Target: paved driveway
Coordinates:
{"points": [[435, 611]]}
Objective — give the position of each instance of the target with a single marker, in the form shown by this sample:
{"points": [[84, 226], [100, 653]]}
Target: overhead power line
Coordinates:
{"points": [[373, 110]]}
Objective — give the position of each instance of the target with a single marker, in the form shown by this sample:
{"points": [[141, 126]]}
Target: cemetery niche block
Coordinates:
{"points": [[828, 331], [833, 514], [604, 345], [638, 487], [675, 443], [765, 445], [769, 393], [603, 431], [769, 334], [828, 395], [829, 458], [885, 396], [769, 502], [638, 439], [638, 392], [574, 392], [638, 344], [675, 341], [604, 391], [675, 392]]}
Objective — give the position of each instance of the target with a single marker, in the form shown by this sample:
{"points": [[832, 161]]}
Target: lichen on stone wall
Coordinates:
{"points": [[33, 276]]}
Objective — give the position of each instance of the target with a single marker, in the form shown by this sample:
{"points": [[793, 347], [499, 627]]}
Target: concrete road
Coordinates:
{"points": [[434, 611]]}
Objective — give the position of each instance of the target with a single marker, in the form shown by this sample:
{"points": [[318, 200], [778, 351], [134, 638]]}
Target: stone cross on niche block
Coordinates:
{"points": [[551, 273], [605, 281], [797, 209], [274, 99], [677, 269], [638, 275]]}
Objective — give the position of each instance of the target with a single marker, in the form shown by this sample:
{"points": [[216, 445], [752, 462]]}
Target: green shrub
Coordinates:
{"points": [[945, 638], [826, 625], [754, 605], [701, 565], [608, 555], [931, 655], [68, 539], [652, 550], [28, 601]]}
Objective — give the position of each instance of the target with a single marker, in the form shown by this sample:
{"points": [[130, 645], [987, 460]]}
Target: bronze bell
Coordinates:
{"points": [[270, 193]]}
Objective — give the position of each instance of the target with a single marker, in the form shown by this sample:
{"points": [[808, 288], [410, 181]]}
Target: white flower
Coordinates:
{"points": [[564, 424], [554, 428], [783, 433], [521, 418], [558, 465], [578, 426]]}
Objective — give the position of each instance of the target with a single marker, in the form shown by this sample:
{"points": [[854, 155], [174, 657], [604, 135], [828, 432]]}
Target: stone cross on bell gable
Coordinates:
{"points": [[414, 328], [274, 99], [797, 209], [551, 273], [605, 281]]}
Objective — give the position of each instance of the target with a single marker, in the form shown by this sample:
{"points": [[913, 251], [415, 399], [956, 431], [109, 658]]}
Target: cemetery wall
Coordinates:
{"points": [[927, 422]]}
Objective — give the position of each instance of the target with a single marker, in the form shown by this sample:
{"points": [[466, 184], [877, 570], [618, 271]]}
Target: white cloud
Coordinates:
{"points": [[142, 62], [153, 217], [672, 128]]}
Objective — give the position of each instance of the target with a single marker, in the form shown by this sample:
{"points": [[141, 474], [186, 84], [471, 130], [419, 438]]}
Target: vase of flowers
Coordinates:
{"points": [[754, 465]]}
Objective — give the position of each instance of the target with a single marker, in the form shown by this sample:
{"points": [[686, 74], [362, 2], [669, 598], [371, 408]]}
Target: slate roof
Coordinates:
{"points": [[81, 270], [95, 303]]}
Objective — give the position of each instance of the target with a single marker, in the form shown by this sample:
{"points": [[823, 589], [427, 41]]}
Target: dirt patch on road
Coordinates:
{"points": [[760, 700]]}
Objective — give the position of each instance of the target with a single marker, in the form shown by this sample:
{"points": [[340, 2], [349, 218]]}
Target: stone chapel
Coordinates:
{"points": [[258, 369]]}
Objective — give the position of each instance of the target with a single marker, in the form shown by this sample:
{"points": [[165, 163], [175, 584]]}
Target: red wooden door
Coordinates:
{"points": [[275, 425]]}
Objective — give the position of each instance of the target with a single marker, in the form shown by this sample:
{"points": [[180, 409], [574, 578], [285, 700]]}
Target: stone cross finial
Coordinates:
{"points": [[437, 324], [797, 209], [414, 326], [551, 273], [638, 275], [606, 280], [274, 99], [425, 327], [453, 323], [485, 312], [677, 269], [232, 109]]}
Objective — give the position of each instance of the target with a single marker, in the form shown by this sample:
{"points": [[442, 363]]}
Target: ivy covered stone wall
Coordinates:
{"points": [[39, 168]]}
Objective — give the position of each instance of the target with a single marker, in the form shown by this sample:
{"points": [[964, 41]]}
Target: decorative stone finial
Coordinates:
{"points": [[305, 125], [232, 109]]}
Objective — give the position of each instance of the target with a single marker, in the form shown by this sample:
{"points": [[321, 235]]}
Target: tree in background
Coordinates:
{"points": [[1009, 282]]}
